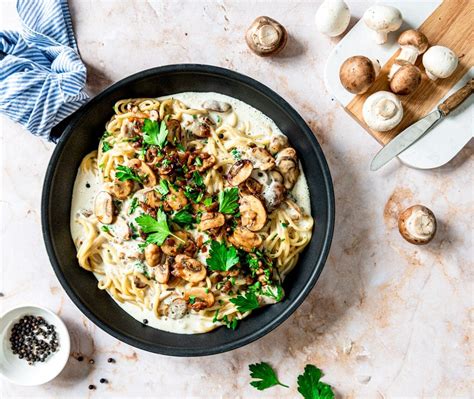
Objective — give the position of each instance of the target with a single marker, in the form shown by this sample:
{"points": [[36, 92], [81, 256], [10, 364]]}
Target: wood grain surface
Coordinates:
{"points": [[450, 25]]}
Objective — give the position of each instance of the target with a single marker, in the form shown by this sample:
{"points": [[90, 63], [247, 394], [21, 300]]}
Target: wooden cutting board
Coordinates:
{"points": [[450, 25]]}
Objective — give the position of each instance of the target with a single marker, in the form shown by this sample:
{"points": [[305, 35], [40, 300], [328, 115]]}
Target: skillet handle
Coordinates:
{"points": [[57, 131]]}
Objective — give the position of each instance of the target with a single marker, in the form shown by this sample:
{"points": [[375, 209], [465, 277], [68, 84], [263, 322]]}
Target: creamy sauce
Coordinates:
{"points": [[87, 185]]}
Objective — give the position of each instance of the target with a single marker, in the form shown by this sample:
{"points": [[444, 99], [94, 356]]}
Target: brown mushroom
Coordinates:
{"points": [[144, 171], [121, 189], [266, 36], [172, 246], [287, 163], [177, 309], [211, 220], [161, 272], [201, 127], [245, 239], [104, 207], [216, 106], [417, 225], [253, 213], [261, 158], [251, 186], [277, 143], [189, 269], [152, 254], [139, 283], [199, 294], [174, 130], [121, 229], [358, 73], [239, 172], [406, 79], [176, 198], [152, 198], [208, 161], [275, 192]]}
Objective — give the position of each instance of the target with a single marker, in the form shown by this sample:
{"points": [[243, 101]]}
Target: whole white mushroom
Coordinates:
{"points": [[332, 17], [382, 111], [439, 62], [382, 20]]}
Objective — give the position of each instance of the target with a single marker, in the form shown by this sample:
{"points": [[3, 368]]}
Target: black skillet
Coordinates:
{"points": [[80, 134]]}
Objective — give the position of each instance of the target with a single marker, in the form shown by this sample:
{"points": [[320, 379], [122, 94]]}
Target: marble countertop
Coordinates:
{"points": [[386, 319]]}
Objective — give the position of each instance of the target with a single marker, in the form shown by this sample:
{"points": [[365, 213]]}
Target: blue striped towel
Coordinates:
{"points": [[42, 76]]}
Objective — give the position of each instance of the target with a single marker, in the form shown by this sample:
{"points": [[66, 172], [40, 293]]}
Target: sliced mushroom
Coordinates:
{"points": [[172, 246], [152, 254], [216, 106], [211, 220], [189, 269], [121, 189], [104, 207], [139, 283], [201, 127], [121, 229], [287, 163], [277, 143], [274, 192], [239, 172], [251, 186], [208, 161], [152, 199], [176, 198], [174, 130], [261, 158], [161, 272], [245, 239], [253, 213], [177, 309], [201, 298], [144, 171]]}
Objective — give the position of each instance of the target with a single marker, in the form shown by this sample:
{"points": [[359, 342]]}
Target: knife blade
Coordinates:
{"points": [[405, 139]]}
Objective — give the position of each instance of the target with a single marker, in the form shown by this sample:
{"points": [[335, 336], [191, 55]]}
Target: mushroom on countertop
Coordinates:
{"points": [[439, 62], [417, 224], [332, 17], [406, 79], [358, 73], [382, 20], [104, 207], [266, 36], [382, 111]]}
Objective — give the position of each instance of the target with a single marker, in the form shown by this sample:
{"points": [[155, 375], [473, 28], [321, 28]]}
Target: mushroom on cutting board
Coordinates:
{"points": [[266, 36], [417, 224], [382, 20], [413, 43], [332, 17], [382, 111], [439, 62], [406, 79], [358, 73]]}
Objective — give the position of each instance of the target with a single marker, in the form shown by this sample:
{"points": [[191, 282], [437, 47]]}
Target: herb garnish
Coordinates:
{"points": [[105, 228], [246, 303], [198, 161], [133, 205], [236, 154], [277, 295], [125, 173], [183, 217], [157, 228], [154, 133], [207, 201], [197, 179], [106, 146], [228, 200], [310, 386], [163, 188], [265, 376], [222, 258]]}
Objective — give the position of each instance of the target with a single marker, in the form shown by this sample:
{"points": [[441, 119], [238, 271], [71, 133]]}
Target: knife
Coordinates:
{"points": [[416, 131]]}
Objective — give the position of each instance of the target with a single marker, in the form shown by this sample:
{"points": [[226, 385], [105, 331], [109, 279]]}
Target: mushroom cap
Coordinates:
{"points": [[382, 111], [357, 74], [406, 79], [417, 224], [412, 37], [266, 36], [383, 18], [440, 61], [332, 17]]}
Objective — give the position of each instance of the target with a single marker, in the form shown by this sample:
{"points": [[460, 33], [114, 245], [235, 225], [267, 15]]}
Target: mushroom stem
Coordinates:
{"points": [[380, 37]]}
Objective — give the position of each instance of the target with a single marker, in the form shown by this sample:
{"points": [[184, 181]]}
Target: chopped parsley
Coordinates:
{"points": [[228, 200], [163, 188], [310, 386], [246, 303], [106, 146], [133, 205], [222, 257], [180, 147], [284, 225], [207, 201], [154, 133], [265, 377], [183, 218], [125, 173], [198, 161], [105, 228], [236, 154], [274, 292], [192, 299], [197, 179], [157, 229], [231, 324], [143, 269], [193, 195]]}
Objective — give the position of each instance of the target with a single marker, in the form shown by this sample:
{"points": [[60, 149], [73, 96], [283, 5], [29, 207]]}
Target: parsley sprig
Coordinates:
{"points": [[183, 218], [246, 302], [125, 173], [154, 133], [222, 257], [265, 376], [310, 385], [228, 200], [157, 229]]}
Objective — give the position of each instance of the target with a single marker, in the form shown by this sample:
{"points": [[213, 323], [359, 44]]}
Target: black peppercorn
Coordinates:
{"points": [[110, 360], [91, 386], [103, 381]]}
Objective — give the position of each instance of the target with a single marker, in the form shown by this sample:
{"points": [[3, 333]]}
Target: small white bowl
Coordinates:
{"points": [[17, 370]]}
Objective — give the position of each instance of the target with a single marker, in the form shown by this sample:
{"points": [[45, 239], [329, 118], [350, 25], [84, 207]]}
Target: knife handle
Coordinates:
{"points": [[457, 98]]}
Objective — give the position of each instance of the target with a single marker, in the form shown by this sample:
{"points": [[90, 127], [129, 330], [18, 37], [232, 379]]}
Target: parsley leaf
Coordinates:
{"points": [[228, 200], [198, 161], [197, 179], [157, 227], [125, 173], [207, 201], [275, 292], [133, 205], [163, 189], [105, 228], [265, 376], [183, 217], [246, 303], [154, 133], [310, 386], [106, 146], [236, 154], [222, 258]]}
